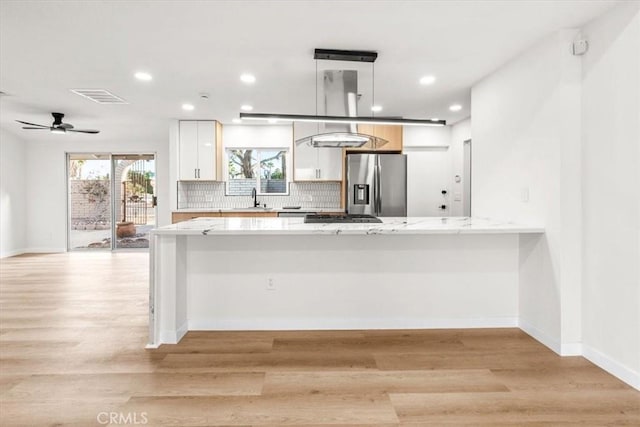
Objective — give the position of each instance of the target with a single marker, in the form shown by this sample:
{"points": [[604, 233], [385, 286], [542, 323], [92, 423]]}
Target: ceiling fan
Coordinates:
{"points": [[57, 126]]}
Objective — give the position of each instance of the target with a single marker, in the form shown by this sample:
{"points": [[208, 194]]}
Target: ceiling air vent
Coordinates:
{"points": [[101, 96]]}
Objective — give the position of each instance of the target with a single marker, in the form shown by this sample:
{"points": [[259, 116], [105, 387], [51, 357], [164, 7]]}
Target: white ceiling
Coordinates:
{"points": [[49, 47]]}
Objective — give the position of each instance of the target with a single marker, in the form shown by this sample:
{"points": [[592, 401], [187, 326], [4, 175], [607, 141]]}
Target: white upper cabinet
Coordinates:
{"points": [[197, 150], [315, 164]]}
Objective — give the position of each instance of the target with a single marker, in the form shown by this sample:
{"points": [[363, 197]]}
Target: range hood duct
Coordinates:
{"points": [[340, 98]]}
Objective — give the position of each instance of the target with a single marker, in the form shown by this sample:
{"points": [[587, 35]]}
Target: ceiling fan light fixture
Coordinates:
{"points": [[59, 130]]}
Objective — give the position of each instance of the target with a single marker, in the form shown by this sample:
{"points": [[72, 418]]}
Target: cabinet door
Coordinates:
{"points": [[207, 150], [188, 151], [330, 164], [392, 133], [306, 157]]}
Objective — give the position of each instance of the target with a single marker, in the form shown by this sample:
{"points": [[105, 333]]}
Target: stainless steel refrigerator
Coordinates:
{"points": [[377, 184]]}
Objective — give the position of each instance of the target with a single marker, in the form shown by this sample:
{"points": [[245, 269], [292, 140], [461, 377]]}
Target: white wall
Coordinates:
{"points": [[460, 132], [611, 191], [46, 185], [526, 168], [13, 194], [269, 136]]}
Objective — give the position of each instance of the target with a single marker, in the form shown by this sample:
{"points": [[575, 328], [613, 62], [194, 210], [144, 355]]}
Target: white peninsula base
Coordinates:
{"points": [[278, 273]]}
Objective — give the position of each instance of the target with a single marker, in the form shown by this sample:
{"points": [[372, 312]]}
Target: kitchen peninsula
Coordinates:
{"points": [[280, 273]]}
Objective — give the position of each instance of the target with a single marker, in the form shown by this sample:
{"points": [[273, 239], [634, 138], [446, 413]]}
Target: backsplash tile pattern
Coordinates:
{"points": [[203, 195]]}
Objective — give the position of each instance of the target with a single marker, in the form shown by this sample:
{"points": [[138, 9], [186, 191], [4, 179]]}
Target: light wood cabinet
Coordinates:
{"points": [[314, 164], [197, 150], [186, 216], [391, 133]]}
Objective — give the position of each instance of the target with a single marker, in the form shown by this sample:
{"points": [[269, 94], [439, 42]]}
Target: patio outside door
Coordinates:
{"points": [[112, 202]]}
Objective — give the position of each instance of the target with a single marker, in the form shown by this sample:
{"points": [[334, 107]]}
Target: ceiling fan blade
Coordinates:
{"points": [[33, 128], [83, 130], [65, 126], [32, 124]]}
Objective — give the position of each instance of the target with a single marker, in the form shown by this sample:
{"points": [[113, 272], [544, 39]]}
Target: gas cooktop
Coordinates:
{"points": [[354, 218]]}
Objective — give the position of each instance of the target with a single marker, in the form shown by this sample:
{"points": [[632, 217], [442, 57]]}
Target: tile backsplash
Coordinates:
{"points": [[202, 195]]}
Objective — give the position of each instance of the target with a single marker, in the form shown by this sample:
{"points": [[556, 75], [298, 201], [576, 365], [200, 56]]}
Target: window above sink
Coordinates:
{"points": [[265, 169]]}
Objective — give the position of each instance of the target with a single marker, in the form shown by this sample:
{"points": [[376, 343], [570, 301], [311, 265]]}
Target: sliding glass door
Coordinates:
{"points": [[111, 200]]}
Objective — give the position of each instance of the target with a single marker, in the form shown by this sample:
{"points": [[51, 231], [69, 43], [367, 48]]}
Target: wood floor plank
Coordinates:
{"points": [[99, 386], [220, 345], [584, 377], [276, 409], [372, 344], [296, 361], [518, 407], [354, 382], [479, 359], [67, 413]]}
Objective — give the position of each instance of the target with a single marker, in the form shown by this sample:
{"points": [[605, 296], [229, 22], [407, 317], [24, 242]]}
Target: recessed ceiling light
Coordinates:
{"points": [[145, 77], [188, 107], [427, 80], [455, 107], [246, 108], [248, 78], [237, 120], [376, 108]]}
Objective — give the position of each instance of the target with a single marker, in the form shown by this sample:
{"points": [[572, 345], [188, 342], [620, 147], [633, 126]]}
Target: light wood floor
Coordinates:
{"points": [[73, 328]]}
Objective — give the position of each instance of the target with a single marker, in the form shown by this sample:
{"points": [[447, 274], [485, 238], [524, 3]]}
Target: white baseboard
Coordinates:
{"points": [[44, 250], [571, 349], [614, 367], [14, 252], [348, 324], [171, 336], [542, 337], [182, 330]]}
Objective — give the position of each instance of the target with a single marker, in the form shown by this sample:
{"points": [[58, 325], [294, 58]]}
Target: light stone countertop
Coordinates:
{"points": [[302, 209], [390, 225]]}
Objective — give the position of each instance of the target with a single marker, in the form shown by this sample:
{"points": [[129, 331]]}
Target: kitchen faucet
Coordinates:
{"points": [[254, 194]]}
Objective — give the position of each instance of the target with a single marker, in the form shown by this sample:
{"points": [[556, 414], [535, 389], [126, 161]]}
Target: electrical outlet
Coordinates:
{"points": [[271, 286], [524, 194]]}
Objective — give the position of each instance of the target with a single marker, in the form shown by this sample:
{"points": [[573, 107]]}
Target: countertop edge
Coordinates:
{"points": [[391, 226]]}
